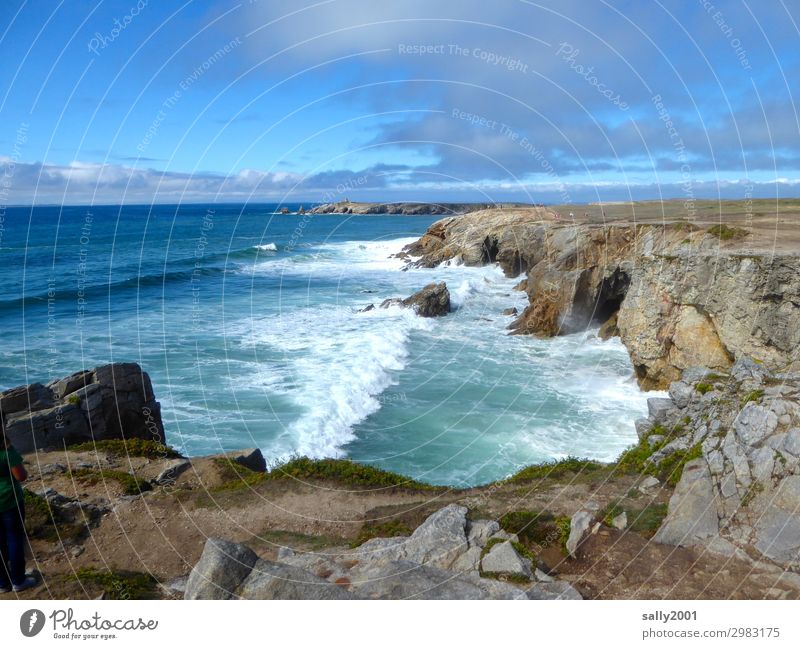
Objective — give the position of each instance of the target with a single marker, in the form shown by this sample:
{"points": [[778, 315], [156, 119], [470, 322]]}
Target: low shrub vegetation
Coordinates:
{"points": [[644, 521], [133, 447], [344, 472], [555, 469], [726, 232], [45, 522], [385, 529], [704, 388], [535, 529], [120, 584], [131, 485], [754, 396]]}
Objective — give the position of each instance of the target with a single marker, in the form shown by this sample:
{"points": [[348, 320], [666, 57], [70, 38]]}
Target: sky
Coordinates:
{"points": [[138, 101]]}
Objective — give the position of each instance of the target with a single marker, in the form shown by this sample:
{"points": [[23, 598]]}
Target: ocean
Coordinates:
{"points": [[248, 322]]}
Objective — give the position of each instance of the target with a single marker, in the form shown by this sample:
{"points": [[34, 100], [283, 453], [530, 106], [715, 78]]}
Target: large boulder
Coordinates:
{"points": [[578, 529], [503, 559], [113, 401], [777, 528], [430, 302], [433, 563], [438, 542], [249, 458], [692, 515], [223, 566], [553, 590], [754, 424], [270, 580]]}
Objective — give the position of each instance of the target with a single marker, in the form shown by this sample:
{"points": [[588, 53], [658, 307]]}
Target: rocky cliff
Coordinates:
{"points": [[682, 295], [108, 402], [710, 313]]}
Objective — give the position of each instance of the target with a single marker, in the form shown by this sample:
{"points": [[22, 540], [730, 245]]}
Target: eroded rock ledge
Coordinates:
{"points": [[113, 401], [682, 296]]}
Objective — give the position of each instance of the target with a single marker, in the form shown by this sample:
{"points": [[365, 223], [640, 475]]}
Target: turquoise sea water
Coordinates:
{"points": [[248, 323]]}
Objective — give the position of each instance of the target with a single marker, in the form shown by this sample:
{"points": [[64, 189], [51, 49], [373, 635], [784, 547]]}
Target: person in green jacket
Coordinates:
{"points": [[12, 518]]}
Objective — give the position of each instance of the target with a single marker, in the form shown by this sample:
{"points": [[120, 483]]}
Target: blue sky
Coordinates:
{"points": [[575, 100]]}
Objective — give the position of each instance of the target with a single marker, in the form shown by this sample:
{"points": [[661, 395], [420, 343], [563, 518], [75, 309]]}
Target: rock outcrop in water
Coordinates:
{"points": [[432, 301], [447, 557], [109, 402], [680, 296]]}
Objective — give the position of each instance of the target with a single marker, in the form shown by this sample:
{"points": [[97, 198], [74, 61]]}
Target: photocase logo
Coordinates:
{"points": [[31, 622]]}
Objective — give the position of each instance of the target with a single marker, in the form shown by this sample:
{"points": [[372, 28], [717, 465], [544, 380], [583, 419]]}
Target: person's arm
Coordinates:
{"points": [[17, 469], [19, 473]]}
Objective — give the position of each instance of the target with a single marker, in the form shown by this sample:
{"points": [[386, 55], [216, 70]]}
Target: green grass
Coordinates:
{"points": [[532, 527], [726, 233], [386, 529], [344, 472], [611, 511], [74, 399], [131, 485], [235, 476], [39, 520], [755, 395], [670, 469], [272, 539], [704, 388], [121, 584], [636, 460], [133, 447], [646, 521], [44, 522], [564, 526], [555, 469]]}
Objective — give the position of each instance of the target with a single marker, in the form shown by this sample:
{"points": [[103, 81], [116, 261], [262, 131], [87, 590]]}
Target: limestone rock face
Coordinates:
{"points": [[676, 306], [223, 566], [109, 402], [693, 509], [740, 489]]}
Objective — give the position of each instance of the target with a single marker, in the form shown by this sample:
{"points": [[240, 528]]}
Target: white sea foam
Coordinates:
{"points": [[340, 257], [267, 247], [340, 362]]}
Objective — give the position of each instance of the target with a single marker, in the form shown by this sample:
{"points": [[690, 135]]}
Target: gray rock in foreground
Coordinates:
{"points": [[269, 580], [503, 559], [223, 566], [579, 527], [692, 513], [436, 562]]}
